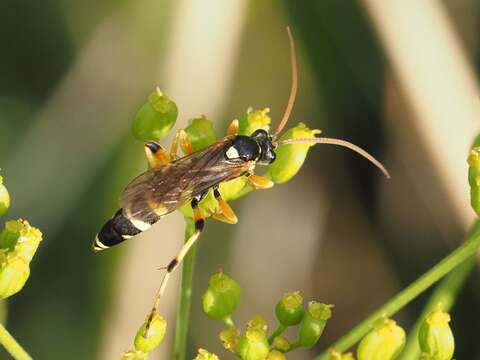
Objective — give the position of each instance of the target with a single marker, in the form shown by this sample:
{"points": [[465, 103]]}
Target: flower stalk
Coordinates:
{"points": [[12, 346], [456, 258], [181, 329]]}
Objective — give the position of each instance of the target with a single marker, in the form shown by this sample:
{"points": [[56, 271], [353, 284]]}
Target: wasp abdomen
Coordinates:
{"points": [[116, 230]]}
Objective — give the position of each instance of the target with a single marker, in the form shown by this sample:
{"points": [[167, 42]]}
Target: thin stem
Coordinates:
{"points": [[181, 330], [278, 331], [445, 294], [11, 345], [229, 322], [457, 257]]}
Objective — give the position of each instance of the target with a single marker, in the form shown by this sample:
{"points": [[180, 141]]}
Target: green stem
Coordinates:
{"points": [[457, 257], [445, 294], [183, 314], [280, 329], [11, 345]]}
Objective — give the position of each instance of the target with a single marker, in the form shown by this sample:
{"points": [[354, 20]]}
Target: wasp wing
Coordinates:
{"points": [[166, 188]]}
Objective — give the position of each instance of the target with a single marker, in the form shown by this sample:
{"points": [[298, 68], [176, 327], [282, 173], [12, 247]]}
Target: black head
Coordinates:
{"points": [[257, 147], [264, 141]]}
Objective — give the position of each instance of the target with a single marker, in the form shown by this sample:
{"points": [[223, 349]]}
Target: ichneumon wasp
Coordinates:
{"points": [[173, 181]]}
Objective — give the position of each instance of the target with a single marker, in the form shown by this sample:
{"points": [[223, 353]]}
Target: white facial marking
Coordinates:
{"points": [[140, 225], [232, 153]]}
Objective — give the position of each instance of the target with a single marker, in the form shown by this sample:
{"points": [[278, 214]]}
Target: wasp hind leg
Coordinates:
{"points": [[226, 213], [156, 154], [260, 182], [199, 226]]}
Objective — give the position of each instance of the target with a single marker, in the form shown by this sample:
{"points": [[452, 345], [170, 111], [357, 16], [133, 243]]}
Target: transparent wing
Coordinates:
{"points": [[166, 188]]}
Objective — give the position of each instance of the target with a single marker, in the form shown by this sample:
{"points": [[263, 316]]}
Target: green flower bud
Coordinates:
{"points": [[290, 157], [281, 344], [474, 178], [253, 346], [232, 189], [222, 296], [154, 337], [289, 309], [205, 355], [4, 198], [135, 355], [335, 355], [384, 342], [276, 355], [14, 273], [254, 120], [201, 133], [155, 118], [230, 338], [313, 323], [259, 323], [18, 243], [435, 336]]}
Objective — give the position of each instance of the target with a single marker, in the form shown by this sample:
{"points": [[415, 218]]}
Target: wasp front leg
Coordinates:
{"points": [[226, 213], [156, 154], [199, 226], [260, 182], [182, 139], [233, 127]]}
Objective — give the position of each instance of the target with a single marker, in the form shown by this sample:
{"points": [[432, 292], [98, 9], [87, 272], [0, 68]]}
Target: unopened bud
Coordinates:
{"points": [[230, 338], [289, 309], [281, 344], [4, 198], [335, 355], [254, 120], [205, 355], [201, 133], [313, 323], [435, 336], [154, 336], [384, 342], [290, 157], [222, 296], [253, 346], [258, 322], [276, 355], [155, 118]]}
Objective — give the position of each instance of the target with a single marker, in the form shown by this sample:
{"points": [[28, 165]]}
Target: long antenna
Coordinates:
{"points": [[293, 90], [339, 142]]}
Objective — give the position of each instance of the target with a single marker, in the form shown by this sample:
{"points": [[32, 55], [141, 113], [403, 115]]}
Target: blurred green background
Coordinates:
{"points": [[73, 74]]}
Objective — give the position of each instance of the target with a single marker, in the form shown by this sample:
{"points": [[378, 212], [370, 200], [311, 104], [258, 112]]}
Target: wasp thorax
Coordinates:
{"points": [[243, 147]]}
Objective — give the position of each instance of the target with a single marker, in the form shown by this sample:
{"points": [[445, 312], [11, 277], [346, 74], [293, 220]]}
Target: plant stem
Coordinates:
{"points": [[445, 294], [11, 345], [183, 314], [278, 331], [457, 257]]}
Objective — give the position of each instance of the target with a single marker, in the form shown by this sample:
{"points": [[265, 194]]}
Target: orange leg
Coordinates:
{"points": [[260, 182], [233, 128], [156, 155], [226, 213]]}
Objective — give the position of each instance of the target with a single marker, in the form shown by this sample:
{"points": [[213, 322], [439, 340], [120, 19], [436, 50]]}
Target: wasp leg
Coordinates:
{"points": [[199, 226], [182, 138], [260, 182], [226, 213], [156, 154], [233, 128]]}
